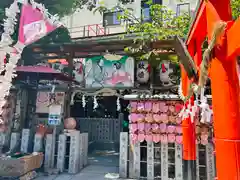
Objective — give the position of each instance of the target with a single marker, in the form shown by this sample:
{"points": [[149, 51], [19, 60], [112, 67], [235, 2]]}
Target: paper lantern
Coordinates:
{"points": [[164, 73], [143, 72], [70, 123]]}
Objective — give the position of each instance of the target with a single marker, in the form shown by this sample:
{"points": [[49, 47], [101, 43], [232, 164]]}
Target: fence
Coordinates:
{"points": [[71, 154], [101, 129], [161, 161]]}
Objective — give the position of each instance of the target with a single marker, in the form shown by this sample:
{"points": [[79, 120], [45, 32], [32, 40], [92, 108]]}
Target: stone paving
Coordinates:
{"points": [[91, 172]]}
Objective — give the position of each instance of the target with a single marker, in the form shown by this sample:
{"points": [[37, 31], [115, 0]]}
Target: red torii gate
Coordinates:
{"points": [[224, 85]]}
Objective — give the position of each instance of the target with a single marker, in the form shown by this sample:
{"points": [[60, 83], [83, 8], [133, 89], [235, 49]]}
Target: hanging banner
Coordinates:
{"points": [[33, 25], [55, 114]]}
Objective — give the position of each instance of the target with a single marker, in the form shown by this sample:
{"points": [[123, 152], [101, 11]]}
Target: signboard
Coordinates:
{"points": [[55, 115], [109, 71], [43, 100]]}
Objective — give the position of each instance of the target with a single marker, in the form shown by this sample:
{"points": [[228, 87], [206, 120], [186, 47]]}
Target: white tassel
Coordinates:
{"points": [[118, 104], [180, 92], [6, 41], [53, 19], [72, 98], [206, 112], [53, 88], [183, 114], [9, 24], [83, 101], [95, 103]]}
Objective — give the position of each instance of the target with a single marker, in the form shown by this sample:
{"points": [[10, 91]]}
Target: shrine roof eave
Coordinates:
{"points": [[134, 97], [113, 42], [195, 21]]}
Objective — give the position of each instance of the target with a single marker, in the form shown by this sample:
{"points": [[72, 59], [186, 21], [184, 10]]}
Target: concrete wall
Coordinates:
{"points": [[174, 4], [84, 17]]}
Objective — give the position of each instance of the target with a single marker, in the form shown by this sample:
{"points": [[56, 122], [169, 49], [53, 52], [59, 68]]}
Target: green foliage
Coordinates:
{"points": [[235, 8], [164, 25]]}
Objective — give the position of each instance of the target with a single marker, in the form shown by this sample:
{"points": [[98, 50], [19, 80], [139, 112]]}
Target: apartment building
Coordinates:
{"points": [[85, 23]]}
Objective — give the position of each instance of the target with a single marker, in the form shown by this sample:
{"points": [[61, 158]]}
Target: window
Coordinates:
{"points": [[183, 8], [146, 9], [111, 18]]}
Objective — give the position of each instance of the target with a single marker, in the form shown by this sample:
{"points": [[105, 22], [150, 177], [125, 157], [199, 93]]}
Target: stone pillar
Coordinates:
{"points": [[178, 162], [150, 160], [74, 156], [61, 152], [164, 161], [136, 160], [38, 143], [15, 141], [210, 161], [48, 152], [25, 140], [123, 154]]}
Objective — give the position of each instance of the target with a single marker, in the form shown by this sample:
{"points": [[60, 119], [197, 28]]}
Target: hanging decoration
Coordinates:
{"points": [[6, 41], [83, 101], [72, 98], [158, 121], [206, 112], [204, 107], [95, 103], [165, 71], [39, 16], [143, 72], [118, 104], [200, 113], [155, 121]]}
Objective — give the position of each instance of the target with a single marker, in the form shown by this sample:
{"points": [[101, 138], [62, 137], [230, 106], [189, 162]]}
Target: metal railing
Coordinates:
{"points": [[88, 31]]}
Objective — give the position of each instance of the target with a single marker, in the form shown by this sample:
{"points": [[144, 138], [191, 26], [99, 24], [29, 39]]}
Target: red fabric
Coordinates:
{"points": [[163, 68], [36, 69], [33, 25]]}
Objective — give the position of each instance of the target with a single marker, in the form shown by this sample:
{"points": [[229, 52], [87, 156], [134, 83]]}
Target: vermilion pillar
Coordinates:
{"points": [[189, 139], [225, 99]]}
